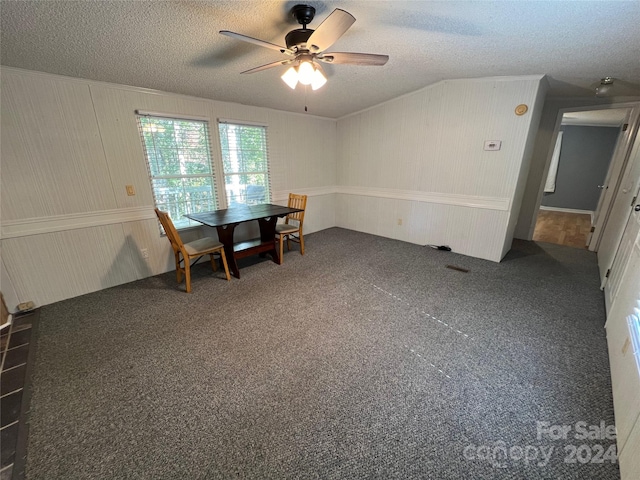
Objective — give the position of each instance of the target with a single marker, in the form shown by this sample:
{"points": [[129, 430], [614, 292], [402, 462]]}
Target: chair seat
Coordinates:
{"points": [[202, 245], [285, 228]]}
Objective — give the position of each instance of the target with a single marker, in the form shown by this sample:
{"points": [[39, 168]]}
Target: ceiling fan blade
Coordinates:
{"points": [[267, 66], [350, 58], [330, 30], [255, 41]]}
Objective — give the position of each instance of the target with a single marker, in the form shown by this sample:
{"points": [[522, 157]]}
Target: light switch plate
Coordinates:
{"points": [[492, 145]]}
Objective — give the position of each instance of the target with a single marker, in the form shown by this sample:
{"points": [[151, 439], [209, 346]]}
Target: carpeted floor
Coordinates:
{"points": [[366, 358]]}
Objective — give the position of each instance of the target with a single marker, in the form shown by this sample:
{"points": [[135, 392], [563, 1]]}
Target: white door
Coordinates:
{"points": [[609, 219], [622, 255], [607, 180], [619, 217], [625, 368], [613, 168]]}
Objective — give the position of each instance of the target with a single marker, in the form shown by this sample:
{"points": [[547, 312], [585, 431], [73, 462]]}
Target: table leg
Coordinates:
{"points": [[225, 235], [268, 234]]}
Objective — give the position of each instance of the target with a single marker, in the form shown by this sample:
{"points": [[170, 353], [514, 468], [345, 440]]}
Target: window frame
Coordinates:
{"points": [[218, 174], [266, 172], [212, 176]]}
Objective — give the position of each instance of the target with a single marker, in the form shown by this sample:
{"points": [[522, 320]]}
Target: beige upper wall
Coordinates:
{"points": [[70, 146], [53, 162], [432, 140]]}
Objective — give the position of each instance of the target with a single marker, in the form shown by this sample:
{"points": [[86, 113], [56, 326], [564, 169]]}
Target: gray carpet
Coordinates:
{"points": [[366, 358]]}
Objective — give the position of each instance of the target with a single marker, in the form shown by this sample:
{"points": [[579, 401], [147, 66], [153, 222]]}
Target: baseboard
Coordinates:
{"points": [[567, 210]]}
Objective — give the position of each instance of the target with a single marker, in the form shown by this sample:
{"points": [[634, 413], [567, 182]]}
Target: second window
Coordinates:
{"points": [[245, 163]]}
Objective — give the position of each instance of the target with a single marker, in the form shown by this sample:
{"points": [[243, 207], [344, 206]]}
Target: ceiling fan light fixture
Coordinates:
{"points": [[305, 73], [290, 77], [318, 79]]}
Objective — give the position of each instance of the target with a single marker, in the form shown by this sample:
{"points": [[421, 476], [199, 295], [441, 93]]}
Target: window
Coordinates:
{"points": [[245, 163], [178, 155]]}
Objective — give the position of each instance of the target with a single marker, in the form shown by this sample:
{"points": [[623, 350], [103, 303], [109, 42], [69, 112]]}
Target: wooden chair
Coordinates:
{"points": [[197, 248], [292, 224]]}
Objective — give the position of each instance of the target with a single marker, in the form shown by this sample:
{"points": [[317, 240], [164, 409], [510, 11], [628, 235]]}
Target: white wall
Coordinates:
{"points": [[68, 149], [70, 146], [420, 158]]}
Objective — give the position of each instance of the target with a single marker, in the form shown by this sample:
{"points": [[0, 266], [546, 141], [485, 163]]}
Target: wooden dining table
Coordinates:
{"points": [[226, 220]]}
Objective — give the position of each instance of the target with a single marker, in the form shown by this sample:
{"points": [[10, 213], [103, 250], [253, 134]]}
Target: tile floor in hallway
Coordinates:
{"points": [[562, 228]]}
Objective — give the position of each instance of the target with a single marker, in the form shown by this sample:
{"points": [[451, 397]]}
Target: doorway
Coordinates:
{"points": [[581, 169]]}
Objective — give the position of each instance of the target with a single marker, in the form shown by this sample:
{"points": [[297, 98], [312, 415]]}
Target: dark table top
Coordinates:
{"points": [[241, 213]]}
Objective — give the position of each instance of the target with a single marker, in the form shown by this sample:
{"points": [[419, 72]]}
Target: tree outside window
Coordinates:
{"points": [[245, 163]]}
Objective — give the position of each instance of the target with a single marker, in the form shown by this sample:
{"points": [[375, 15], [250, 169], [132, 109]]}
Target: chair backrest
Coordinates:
{"points": [[170, 230], [297, 201]]}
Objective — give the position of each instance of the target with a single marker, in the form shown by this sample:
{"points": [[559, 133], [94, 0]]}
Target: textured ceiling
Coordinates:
{"points": [[176, 47]]}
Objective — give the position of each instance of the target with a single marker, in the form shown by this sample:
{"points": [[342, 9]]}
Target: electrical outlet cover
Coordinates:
{"points": [[26, 306], [492, 145]]}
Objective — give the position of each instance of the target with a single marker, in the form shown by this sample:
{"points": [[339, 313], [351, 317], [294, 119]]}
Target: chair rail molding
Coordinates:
{"points": [[58, 223], [283, 196], [472, 201]]}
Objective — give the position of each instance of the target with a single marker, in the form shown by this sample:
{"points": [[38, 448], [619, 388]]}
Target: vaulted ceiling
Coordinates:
{"points": [[176, 47]]}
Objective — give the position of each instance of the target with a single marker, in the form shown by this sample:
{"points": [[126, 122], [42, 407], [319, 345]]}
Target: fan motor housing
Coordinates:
{"points": [[303, 14], [298, 37]]}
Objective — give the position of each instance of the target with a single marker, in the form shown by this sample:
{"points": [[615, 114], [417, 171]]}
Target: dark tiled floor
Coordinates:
{"points": [[17, 350], [13, 379], [16, 356], [8, 436]]}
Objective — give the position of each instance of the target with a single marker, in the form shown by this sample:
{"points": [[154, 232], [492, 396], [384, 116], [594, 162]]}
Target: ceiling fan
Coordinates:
{"points": [[306, 47]]}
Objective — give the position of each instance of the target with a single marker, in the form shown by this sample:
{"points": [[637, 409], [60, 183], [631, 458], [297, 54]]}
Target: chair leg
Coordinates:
{"points": [[224, 264], [214, 266], [178, 268], [301, 243], [187, 274], [288, 243], [281, 242]]}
